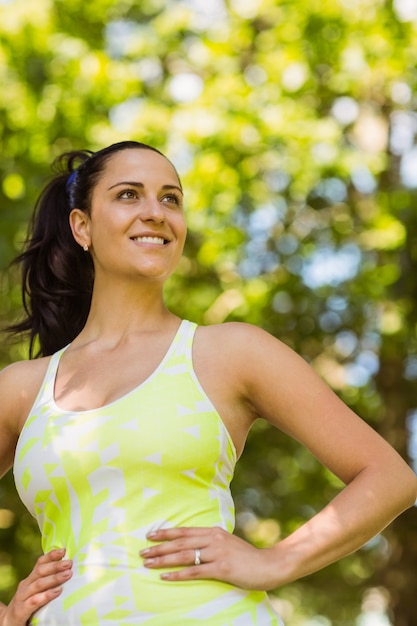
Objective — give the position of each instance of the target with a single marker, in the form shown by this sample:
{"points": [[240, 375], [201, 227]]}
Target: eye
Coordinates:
{"points": [[127, 194], [172, 198]]}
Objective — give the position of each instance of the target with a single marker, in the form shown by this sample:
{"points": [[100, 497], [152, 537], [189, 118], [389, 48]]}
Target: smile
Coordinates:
{"points": [[158, 240]]}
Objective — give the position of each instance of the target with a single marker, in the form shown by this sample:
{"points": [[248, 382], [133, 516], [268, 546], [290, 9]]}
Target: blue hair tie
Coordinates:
{"points": [[70, 180]]}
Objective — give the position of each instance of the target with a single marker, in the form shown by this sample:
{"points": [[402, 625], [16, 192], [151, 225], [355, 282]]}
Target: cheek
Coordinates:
{"points": [[105, 229], [182, 228], [104, 242], [182, 239]]}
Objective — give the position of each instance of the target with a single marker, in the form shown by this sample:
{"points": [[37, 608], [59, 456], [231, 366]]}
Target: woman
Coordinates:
{"points": [[118, 445]]}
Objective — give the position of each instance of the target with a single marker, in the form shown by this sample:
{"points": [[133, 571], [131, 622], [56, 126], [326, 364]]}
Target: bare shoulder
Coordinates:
{"points": [[19, 385], [238, 335], [244, 344], [245, 356]]}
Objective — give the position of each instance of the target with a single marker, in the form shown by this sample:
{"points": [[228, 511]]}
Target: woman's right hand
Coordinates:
{"points": [[43, 584]]}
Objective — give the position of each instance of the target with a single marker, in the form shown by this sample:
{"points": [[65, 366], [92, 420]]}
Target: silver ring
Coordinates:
{"points": [[197, 556]]}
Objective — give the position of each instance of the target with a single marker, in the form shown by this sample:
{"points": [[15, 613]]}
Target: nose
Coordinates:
{"points": [[152, 211]]}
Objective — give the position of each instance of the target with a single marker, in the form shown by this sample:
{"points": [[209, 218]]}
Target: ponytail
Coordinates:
{"points": [[57, 275]]}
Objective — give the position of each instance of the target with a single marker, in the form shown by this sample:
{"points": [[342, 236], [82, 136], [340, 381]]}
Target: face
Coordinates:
{"points": [[137, 225]]}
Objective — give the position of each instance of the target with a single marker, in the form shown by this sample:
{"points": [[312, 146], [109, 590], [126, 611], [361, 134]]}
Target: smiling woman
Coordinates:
{"points": [[124, 435], [139, 201]]}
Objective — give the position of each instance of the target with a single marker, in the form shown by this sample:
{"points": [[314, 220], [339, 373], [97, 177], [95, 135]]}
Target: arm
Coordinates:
{"points": [[274, 383], [379, 484], [44, 582]]}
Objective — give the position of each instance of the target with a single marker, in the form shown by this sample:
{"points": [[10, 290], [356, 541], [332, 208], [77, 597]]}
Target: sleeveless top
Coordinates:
{"points": [[99, 480]]}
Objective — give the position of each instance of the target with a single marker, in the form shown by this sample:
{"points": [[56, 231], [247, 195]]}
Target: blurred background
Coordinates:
{"points": [[293, 126]]}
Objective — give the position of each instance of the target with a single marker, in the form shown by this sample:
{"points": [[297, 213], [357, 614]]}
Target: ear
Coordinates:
{"points": [[80, 226]]}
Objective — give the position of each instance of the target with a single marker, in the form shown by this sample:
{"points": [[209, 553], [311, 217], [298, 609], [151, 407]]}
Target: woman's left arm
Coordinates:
{"points": [[280, 386], [379, 483]]}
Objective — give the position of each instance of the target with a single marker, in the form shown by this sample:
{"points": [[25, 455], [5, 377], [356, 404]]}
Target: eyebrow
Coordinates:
{"points": [[141, 185]]}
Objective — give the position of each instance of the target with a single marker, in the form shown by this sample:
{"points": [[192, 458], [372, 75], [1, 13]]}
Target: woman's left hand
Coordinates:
{"points": [[210, 553]]}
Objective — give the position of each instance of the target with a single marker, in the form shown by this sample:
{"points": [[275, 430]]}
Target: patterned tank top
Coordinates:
{"points": [[99, 480]]}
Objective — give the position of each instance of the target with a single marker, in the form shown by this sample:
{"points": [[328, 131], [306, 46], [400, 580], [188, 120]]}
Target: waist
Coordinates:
{"points": [[115, 595], [117, 535]]}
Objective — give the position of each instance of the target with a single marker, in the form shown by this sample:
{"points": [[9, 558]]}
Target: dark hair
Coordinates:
{"points": [[57, 275]]}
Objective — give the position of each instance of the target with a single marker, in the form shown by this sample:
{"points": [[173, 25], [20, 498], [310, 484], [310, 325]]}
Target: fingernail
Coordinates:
{"points": [[147, 562], [165, 576], [145, 552], [152, 534]]}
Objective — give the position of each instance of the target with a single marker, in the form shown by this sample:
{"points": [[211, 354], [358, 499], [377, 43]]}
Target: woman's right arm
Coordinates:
{"points": [[19, 384]]}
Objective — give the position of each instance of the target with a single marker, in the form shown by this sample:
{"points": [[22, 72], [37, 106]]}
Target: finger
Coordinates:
{"points": [[53, 555], [42, 598], [42, 570], [191, 573], [177, 559], [38, 584], [175, 546], [168, 534], [43, 579], [48, 573], [23, 610]]}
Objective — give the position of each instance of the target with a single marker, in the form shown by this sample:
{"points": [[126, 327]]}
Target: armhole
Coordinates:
{"points": [[189, 343], [44, 388]]}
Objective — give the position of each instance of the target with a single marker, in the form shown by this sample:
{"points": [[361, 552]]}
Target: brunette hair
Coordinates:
{"points": [[57, 275]]}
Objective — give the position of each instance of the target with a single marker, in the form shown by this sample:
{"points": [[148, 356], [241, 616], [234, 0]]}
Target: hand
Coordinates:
{"points": [[41, 586], [223, 556]]}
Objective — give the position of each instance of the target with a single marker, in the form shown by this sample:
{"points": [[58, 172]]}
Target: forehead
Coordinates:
{"points": [[139, 165]]}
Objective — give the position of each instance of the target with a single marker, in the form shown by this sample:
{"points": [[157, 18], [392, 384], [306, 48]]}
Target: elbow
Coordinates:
{"points": [[409, 488], [414, 491], [400, 485]]}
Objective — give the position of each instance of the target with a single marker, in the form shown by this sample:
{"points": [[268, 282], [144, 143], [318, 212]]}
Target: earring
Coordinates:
{"points": [[85, 247]]}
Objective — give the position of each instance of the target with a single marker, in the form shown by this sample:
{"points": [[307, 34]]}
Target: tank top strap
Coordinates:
{"points": [[182, 350], [46, 390]]}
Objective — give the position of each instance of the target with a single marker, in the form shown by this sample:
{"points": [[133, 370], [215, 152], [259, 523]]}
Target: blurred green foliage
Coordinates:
{"points": [[294, 127]]}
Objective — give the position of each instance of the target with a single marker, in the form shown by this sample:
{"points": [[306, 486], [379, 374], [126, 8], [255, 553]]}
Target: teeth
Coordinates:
{"points": [[158, 240]]}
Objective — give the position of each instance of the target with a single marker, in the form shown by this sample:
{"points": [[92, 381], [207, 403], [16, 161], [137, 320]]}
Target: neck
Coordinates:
{"points": [[118, 311]]}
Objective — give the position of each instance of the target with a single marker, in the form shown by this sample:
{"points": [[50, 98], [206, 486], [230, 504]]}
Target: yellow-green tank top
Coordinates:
{"points": [[98, 481]]}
